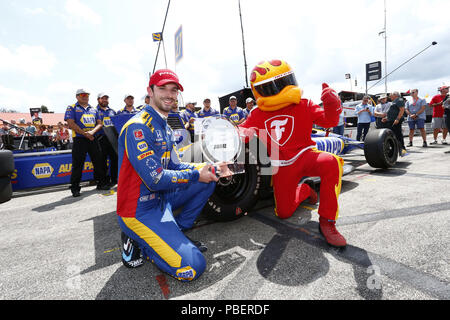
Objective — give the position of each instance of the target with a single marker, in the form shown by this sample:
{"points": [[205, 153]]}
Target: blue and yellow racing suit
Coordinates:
{"points": [[152, 183], [235, 115]]}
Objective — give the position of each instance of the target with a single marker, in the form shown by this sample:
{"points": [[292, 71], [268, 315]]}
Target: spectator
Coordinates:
{"points": [[394, 120], [107, 151], [174, 108], [233, 112], [52, 137], [446, 106], [83, 119], [4, 129], [381, 110], [42, 131], [340, 127], [30, 128], [188, 116], [129, 102], [12, 130], [249, 104], [207, 111], [364, 111], [416, 117], [437, 122], [66, 126], [146, 102], [62, 137]]}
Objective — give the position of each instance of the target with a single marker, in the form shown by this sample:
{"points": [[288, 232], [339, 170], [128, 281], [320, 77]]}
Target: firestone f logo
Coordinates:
{"points": [[280, 128], [278, 124]]}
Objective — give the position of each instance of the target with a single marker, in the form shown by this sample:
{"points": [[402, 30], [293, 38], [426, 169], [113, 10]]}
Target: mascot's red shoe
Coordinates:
{"points": [[328, 229]]}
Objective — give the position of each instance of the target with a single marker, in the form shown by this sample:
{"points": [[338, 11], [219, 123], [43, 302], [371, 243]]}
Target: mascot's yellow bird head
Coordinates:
{"points": [[274, 85]]}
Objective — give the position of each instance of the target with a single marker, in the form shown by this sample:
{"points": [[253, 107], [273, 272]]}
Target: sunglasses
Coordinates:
{"points": [[84, 95]]}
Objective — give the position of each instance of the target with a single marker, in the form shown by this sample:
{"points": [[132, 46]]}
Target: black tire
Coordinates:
{"points": [[6, 163], [5, 189], [381, 148], [234, 197]]}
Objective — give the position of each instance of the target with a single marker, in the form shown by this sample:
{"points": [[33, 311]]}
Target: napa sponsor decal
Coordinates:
{"points": [[88, 120], [42, 170], [142, 146], [65, 169], [14, 177], [186, 273]]}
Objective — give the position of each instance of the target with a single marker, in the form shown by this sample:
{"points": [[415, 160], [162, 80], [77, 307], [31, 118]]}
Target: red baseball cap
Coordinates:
{"points": [[164, 76]]}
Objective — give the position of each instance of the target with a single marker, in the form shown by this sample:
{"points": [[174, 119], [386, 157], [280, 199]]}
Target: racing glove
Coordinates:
{"points": [[331, 102]]}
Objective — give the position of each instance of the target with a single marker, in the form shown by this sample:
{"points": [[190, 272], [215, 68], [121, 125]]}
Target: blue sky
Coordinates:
{"points": [[50, 48]]}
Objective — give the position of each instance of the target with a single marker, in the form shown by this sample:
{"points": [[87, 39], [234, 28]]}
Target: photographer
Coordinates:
{"points": [[365, 112]]}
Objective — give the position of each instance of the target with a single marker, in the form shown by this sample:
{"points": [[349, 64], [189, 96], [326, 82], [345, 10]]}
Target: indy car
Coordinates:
{"points": [[237, 194]]}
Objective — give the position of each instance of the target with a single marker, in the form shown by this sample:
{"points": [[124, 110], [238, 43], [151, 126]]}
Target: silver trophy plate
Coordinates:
{"points": [[220, 143]]}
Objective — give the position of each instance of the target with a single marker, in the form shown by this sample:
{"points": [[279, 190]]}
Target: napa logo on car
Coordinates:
{"points": [[42, 170]]}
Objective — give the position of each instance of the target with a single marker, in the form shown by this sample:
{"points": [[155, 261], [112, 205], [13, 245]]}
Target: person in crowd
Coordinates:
{"points": [[249, 104], [207, 111], [394, 119], [31, 129], [107, 151], [364, 112], [437, 122], [188, 115], [129, 105], [381, 110], [83, 119], [42, 131], [174, 108], [62, 137], [146, 102], [446, 105], [12, 130], [233, 112], [152, 184], [66, 126], [52, 137], [416, 117], [340, 127]]}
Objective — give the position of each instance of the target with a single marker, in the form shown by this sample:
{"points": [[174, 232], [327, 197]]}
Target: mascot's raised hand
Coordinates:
{"points": [[331, 102]]}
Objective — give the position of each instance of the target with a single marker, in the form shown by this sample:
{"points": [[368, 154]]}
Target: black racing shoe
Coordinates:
{"points": [[131, 254], [200, 245]]}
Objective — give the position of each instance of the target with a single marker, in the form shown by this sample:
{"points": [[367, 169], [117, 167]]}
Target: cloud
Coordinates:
{"points": [[34, 11], [21, 100], [33, 61], [77, 12]]}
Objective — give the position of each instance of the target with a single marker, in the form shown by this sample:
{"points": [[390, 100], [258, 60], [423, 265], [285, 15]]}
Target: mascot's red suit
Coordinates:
{"points": [[284, 120]]}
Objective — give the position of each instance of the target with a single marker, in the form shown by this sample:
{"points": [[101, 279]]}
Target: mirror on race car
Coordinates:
{"points": [[220, 144]]}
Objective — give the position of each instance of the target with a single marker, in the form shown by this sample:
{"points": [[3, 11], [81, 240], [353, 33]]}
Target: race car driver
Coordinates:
{"points": [[284, 121], [153, 183]]}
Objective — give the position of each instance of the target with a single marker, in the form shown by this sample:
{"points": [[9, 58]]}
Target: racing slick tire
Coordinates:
{"points": [[235, 196], [381, 148], [6, 163], [5, 189]]}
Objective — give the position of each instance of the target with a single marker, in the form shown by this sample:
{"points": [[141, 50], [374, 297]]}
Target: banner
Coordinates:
{"points": [[46, 170], [36, 116], [157, 36], [178, 44]]}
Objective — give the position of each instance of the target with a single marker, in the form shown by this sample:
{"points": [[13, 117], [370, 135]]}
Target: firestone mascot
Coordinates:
{"points": [[284, 120]]}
